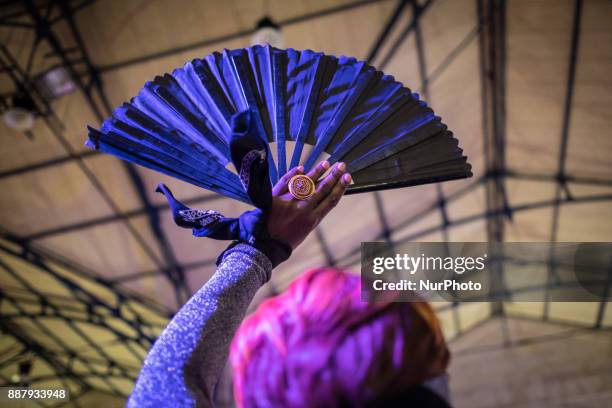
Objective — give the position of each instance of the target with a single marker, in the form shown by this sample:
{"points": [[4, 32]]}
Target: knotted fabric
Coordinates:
{"points": [[249, 154]]}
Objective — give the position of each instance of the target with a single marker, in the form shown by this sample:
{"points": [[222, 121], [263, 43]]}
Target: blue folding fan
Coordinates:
{"points": [[306, 107]]}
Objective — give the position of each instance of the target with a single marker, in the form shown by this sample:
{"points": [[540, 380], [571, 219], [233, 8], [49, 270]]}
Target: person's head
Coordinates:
{"points": [[318, 344]]}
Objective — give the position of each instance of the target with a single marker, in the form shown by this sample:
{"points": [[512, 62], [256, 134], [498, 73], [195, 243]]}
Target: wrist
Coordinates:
{"points": [[276, 251], [253, 231]]}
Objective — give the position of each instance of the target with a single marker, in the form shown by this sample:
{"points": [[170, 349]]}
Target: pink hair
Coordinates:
{"points": [[318, 344]]}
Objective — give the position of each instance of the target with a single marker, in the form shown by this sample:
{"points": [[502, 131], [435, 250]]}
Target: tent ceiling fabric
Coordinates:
{"points": [[56, 212]]}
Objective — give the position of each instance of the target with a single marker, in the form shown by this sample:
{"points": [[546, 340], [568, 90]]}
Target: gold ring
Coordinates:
{"points": [[301, 187]]}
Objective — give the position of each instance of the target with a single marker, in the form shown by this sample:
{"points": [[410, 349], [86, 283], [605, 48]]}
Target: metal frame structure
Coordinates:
{"points": [[489, 30], [92, 302]]}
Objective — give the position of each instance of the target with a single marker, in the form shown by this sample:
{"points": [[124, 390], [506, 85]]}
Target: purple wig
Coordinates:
{"points": [[319, 345]]}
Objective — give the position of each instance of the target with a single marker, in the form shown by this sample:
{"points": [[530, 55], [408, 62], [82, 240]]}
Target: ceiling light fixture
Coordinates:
{"points": [[20, 114], [268, 32], [55, 82]]}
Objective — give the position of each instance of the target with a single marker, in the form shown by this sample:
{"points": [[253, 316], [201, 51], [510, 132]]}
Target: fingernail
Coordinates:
{"points": [[300, 168], [325, 164], [341, 166], [346, 179]]}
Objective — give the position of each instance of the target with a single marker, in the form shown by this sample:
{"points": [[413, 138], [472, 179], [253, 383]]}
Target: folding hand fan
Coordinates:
{"points": [[296, 107]]}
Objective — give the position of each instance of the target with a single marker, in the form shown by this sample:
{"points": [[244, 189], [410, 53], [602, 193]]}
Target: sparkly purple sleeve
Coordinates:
{"points": [[185, 363]]}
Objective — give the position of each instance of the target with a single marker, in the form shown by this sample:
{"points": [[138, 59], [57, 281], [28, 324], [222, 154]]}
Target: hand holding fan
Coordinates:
{"points": [[266, 110]]}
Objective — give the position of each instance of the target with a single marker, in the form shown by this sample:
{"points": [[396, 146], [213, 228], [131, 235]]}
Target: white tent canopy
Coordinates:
{"points": [[68, 214]]}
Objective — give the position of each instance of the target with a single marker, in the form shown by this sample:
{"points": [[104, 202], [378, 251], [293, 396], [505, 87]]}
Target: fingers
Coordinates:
{"points": [[282, 185], [318, 170], [327, 184], [332, 199]]}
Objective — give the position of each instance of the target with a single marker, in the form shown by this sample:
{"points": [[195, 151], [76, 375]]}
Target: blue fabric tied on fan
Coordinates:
{"points": [[249, 155]]}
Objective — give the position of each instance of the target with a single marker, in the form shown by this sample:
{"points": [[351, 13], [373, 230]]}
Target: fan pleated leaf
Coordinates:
{"points": [[306, 106]]}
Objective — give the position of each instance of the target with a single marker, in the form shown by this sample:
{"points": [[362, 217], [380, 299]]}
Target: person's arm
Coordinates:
{"points": [[184, 365]]}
